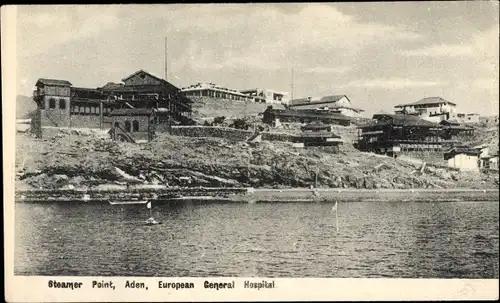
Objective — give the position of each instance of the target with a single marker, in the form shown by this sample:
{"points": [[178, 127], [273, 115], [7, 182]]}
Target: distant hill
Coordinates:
{"points": [[24, 106]]}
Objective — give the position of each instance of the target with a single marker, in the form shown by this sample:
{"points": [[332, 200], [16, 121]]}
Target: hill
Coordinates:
{"points": [[24, 106]]}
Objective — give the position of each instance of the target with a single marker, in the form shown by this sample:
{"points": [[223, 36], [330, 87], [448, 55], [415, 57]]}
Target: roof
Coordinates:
{"points": [[143, 71], [322, 100], [450, 122], [132, 112], [309, 114], [457, 150], [315, 126], [399, 120], [55, 82], [428, 100]]}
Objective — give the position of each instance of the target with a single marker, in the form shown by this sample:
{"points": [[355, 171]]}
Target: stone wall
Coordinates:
{"points": [[211, 131], [277, 137], [86, 121], [434, 157]]}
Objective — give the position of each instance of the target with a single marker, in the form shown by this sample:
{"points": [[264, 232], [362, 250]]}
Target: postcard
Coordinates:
{"points": [[264, 151]]}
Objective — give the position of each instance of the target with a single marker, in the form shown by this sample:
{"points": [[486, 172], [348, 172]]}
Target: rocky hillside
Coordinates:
{"points": [[24, 107], [79, 160]]}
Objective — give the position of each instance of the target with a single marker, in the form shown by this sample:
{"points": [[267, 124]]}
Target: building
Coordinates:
{"points": [[59, 104], [486, 160], [400, 134], [471, 118], [265, 95], [276, 117], [133, 124], [434, 109], [210, 90], [453, 131], [490, 161], [462, 158], [336, 104], [53, 102], [318, 134]]}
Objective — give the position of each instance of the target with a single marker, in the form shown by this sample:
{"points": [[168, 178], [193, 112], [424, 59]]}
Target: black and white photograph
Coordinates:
{"points": [[261, 141]]}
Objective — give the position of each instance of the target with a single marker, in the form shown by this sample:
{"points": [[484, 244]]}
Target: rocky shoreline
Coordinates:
{"points": [[79, 161], [251, 195]]}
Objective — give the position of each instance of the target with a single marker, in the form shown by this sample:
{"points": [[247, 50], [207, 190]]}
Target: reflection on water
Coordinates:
{"points": [[418, 240]]}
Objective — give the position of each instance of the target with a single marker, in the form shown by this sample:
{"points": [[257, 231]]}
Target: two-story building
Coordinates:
{"points": [[267, 95], [59, 104], [434, 109], [337, 104], [213, 91], [400, 134]]}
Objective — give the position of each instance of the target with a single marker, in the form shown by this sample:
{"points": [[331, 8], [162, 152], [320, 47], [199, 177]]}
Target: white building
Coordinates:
{"points": [[434, 109], [211, 90], [336, 103], [266, 95], [463, 158]]}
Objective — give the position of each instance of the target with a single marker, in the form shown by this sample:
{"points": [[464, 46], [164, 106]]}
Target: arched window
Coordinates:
{"points": [[75, 109], [82, 110], [128, 126], [135, 126], [97, 110], [87, 109], [62, 104], [52, 103], [92, 110]]}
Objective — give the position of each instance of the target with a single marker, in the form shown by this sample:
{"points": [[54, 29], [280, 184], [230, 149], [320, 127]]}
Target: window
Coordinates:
{"points": [[117, 124], [87, 110], [128, 127], [135, 126], [82, 110], [92, 110], [52, 103], [62, 104], [75, 109]]}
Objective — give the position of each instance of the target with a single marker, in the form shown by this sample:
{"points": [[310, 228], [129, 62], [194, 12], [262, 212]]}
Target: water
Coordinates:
{"points": [[415, 240]]}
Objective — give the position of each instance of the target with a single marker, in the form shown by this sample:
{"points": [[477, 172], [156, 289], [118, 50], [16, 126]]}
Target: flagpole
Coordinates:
{"points": [[336, 215]]}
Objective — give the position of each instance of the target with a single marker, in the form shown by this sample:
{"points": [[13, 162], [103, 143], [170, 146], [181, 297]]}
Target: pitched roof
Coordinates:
{"points": [[322, 100], [428, 100], [457, 150], [55, 82], [308, 114], [132, 112], [315, 126], [143, 71], [399, 120]]}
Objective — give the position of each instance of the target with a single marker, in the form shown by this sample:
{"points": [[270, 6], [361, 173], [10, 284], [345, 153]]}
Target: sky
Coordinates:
{"points": [[379, 54]]}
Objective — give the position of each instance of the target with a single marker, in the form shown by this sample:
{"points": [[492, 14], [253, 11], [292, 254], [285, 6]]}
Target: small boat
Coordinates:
{"points": [[152, 221]]}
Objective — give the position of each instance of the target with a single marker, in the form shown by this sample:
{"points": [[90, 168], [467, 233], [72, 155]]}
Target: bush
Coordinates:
{"points": [[219, 120], [241, 123]]}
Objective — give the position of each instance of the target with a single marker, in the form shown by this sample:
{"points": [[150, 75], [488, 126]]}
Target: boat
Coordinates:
{"points": [[151, 220]]}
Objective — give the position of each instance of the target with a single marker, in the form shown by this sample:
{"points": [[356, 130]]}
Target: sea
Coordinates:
{"points": [[292, 240]]}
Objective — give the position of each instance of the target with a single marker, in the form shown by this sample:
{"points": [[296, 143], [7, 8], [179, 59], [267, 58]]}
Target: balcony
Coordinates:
{"points": [[37, 95]]}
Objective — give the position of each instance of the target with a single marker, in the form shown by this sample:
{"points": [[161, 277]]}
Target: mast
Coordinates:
{"points": [[166, 60], [292, 85]]}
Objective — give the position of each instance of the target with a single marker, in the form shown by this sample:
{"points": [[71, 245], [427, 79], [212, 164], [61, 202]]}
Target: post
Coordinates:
{"points": [[100, 115], [166, 60], [316, 179], [337, 217]]}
